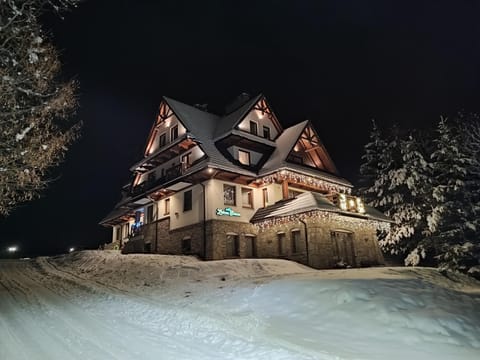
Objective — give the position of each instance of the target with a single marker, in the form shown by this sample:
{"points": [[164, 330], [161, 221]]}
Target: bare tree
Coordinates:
{"points": [[35, 104]]}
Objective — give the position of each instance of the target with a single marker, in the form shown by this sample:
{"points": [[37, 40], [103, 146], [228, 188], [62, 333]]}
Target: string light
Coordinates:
{"points": [[306, 180], [342, 221]]}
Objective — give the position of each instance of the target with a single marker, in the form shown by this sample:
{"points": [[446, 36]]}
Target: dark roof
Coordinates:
{"points": [[228, 122], [310, 201], [201, 125]]}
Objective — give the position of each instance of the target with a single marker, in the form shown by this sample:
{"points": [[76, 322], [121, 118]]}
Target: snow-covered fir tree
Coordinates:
{"points": [[455, 224], [34, 102]]}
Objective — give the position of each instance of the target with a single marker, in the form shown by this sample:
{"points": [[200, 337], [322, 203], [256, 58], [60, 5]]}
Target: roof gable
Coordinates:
{"points": [[231, 121], [309, 150]]}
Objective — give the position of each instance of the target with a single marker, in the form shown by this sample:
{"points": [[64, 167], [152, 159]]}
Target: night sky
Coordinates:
{"points": [[337, 63]]}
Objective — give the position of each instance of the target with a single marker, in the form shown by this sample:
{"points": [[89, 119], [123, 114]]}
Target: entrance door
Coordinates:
{"points": [[344, 254], [250, 247]]}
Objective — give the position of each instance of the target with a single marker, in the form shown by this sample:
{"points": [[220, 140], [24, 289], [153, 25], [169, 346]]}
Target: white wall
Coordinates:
{"points": [[255, 115], [165, 127]]}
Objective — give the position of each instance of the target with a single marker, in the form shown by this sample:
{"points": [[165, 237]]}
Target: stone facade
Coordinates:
{"points": [[325, 241]]}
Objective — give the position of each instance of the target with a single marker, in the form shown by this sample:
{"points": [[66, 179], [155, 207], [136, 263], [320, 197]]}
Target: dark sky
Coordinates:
{"points": [[337, 63]]}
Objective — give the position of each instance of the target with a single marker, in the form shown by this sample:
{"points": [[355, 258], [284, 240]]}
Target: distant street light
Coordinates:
{"points": [[12, 249], [72, 249]]}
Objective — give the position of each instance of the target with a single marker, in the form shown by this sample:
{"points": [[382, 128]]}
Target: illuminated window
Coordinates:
{"points": [[229, 195], [162, 140], [266, 132], [244, 157], [253, 128], [296, 241], [187, 200], [167, 206], [247, 197], [174, 133]]}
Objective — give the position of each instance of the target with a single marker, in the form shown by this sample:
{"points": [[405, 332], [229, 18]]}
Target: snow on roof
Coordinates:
{"points": [[310, 201], [229, 121]]}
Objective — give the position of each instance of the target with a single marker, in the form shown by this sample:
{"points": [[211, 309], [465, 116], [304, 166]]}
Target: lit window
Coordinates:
{"points": [[187, 200], [174, 133], [167, 206], [229, 195], [186, 161], [253, 128], [247, 197], [244, 157], [266, 132]]}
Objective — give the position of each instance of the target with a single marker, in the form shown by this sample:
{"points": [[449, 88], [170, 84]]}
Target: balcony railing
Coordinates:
{"points": [[170, 174]]}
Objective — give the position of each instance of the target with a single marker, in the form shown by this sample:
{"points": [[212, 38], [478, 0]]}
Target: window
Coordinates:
{"points": [[253, 128], [265, 197], [151, 177], [174, 133], [296, 245], [187, 200], [266, 132], [244, 157], [293, 193], [229, 195], [281, 243], [162, 139], [186, 245], [167, 207], [119, 233], [150, 214], [186, 161], [247, 198], [232, 248]]}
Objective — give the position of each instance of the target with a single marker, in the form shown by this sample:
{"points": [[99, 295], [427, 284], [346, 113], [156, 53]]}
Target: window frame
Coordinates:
{"points": [[160, 137], [248, 157], [174, 128], [267, 128], [234, 195], [187, 200], [249, 205], [255, 127], [166, 207]]}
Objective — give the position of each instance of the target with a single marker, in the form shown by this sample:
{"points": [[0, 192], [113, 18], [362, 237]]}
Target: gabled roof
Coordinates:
{"points": [[284, 146], [310, 201], [201, 126]]}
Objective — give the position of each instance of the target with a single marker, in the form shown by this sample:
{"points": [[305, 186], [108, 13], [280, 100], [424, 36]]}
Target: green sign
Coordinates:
{"points": [[226, 212]]}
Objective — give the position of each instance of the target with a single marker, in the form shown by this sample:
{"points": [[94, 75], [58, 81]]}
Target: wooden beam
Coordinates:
{"points": [[285, 189]]}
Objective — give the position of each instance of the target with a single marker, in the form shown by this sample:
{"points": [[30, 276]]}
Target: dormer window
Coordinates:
{"points": [[266, 132], [253, 128], [174, 133], [244, 157]]}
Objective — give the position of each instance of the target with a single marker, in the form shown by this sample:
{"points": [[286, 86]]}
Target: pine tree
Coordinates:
{"points": [[450, 222], [372, 163]]}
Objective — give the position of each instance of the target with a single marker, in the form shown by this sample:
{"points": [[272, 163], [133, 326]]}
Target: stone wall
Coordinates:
{"points": [[357, 237]]}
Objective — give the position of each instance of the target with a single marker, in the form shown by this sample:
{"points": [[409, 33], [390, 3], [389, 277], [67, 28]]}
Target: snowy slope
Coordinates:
{"points": [[103, 305]]}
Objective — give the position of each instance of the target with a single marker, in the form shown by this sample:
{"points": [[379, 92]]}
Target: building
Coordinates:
{"points": [[240, 185]]}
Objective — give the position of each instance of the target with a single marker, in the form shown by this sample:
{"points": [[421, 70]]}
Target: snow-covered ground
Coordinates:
{"points": [[103, 305]]}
